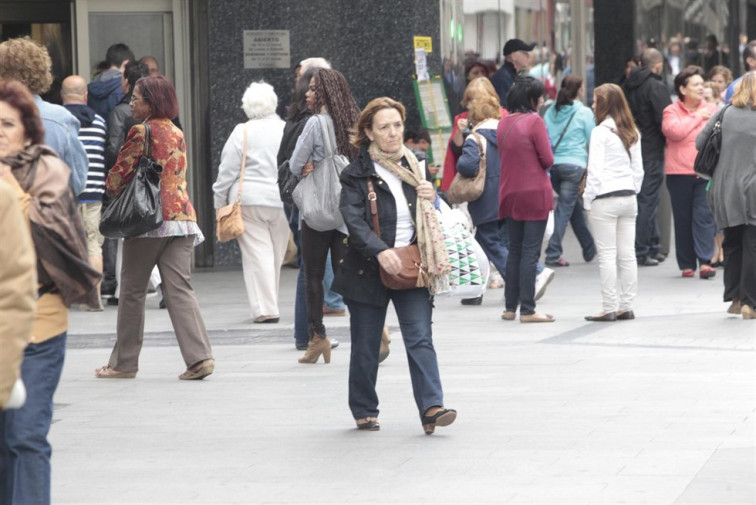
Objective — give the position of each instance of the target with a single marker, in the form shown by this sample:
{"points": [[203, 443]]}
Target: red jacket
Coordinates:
{"points": [[525, 192]]}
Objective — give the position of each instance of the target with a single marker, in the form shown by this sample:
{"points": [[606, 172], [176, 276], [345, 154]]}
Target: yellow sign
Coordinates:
{"points": [[423, 43]]}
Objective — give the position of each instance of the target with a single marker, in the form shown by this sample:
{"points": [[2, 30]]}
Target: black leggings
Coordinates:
{"points": [[315, 246]]}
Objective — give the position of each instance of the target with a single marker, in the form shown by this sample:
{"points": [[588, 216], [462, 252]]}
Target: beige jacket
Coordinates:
{"points": [[18, 281]]}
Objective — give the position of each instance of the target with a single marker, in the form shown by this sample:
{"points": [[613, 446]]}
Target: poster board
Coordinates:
{"points": [[435, 116]]}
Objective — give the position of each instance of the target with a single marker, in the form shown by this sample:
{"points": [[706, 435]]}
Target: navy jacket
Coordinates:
{"points": [[502, 81], [105, 95], [486, 208], [357, 276]]}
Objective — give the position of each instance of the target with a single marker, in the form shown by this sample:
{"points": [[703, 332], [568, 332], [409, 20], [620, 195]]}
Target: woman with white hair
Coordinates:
{"points": [[266, 231]]}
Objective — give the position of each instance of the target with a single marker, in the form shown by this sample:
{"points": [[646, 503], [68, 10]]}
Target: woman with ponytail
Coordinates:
{"points": [[569, 124]]}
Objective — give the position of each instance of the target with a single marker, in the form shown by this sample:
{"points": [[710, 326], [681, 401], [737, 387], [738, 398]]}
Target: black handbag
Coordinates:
{"points": [[138, 208], [708, 157], [286, 183]]}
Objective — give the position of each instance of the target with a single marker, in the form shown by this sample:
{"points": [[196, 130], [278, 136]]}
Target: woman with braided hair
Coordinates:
{"points": [[328, 98]]}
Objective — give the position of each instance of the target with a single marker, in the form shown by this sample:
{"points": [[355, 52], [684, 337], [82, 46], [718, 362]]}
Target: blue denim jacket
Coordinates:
{"points": [[62, 134]]}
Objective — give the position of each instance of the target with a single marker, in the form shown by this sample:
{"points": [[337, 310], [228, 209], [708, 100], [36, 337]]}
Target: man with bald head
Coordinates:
{"points": [[648, 96], [92, 135]]}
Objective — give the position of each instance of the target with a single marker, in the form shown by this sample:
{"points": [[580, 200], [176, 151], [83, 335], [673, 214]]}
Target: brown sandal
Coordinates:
{"points": [[108, 372], [198, 371]]}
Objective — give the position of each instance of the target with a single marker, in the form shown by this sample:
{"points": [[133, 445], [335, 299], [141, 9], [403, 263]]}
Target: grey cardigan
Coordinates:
{"points": [[732, 194]]}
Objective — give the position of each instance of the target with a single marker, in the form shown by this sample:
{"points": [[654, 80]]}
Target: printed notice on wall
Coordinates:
{"points": [[266, 49]]}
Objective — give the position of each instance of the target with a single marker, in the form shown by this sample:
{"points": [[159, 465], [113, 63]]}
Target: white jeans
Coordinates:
{"points": [[613, 223], [263, 247]]}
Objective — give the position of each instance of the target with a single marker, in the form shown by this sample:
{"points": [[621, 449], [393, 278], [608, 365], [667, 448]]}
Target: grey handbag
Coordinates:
{"points": [[317, 195]]}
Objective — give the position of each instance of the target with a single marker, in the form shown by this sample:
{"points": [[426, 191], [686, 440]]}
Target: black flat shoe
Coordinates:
{"points": [[625, 316], [608, 317], [368, 424], [443, 417], [472, 301]]}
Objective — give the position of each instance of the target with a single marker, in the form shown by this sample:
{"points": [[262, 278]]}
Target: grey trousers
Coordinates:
{"points": [[172, 255]]}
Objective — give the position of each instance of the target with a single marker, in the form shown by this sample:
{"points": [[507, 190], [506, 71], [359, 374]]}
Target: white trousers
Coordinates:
{"points": [[263, 247], [613, 224]]}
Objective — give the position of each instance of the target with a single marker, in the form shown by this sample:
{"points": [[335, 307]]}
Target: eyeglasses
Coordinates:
{"points": [[135, 98]]}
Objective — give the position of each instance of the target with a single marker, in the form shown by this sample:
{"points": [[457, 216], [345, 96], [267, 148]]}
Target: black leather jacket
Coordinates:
{"points": [[357, 276]]}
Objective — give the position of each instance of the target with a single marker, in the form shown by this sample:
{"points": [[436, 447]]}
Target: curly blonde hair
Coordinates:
{"points": [[28, 62]]}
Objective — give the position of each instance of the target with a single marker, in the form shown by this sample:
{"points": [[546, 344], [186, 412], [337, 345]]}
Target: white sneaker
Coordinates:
{"points": [[542, 281], [495, 281]]}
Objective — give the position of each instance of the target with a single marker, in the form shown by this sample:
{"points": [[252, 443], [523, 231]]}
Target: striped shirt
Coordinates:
{"points": [[93, 138]]}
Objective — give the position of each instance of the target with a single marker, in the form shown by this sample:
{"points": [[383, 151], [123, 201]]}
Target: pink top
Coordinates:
{"points": [[525, 192], [681, 127]]}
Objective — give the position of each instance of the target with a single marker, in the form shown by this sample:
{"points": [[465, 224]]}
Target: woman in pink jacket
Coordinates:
{"points": [[694, 222]]}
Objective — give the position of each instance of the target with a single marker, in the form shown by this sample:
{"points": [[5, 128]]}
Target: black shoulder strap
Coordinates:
{"points": [[563, 131]]}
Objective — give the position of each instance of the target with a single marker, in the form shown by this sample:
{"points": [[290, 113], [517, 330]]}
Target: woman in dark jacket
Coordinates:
{"points": [[484, 113], [406, 214]]}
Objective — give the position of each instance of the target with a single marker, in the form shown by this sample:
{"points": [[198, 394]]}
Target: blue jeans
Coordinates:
{"points": [[694, 223], [489, 236], [646, 227], [525, 240], [414, 308], [565, 179], [332, 300], [24, 449]]}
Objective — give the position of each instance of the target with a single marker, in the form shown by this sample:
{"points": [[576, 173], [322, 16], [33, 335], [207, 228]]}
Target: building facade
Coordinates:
{"points": [[212, 49]]}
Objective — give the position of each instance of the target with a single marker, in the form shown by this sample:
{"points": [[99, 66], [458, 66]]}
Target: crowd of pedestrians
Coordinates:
{"points": [[605, 166]]}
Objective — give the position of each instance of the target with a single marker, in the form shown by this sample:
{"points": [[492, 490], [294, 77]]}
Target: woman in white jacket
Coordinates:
{"points": [[266, 231], [615, 174]]}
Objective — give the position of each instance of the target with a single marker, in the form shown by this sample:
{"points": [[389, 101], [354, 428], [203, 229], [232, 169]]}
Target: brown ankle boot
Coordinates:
{"points": [[318, 345]]}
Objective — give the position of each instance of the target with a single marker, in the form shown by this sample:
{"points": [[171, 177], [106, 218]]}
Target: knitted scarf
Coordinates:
{"points": [[430, 237]]}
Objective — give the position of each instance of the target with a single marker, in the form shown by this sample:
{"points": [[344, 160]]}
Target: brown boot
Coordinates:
{"points": [[318, 345], [385, 341]]}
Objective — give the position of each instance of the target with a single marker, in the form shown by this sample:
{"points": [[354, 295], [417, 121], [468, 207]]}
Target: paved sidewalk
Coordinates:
{"points": [[658, 410]]}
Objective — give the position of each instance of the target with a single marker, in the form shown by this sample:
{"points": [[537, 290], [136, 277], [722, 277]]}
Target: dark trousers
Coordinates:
{"points": [[694, 223], [414, 308], [525, 240], [109, 253], [315, 247], [24, 449], [489, 236], [565, 179], [740, 264], [646, 227], [300, 300]]}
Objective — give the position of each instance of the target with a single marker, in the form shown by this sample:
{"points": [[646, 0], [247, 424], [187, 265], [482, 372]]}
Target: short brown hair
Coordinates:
{"points": [[17, 96], [681, 80], [27, 62], [365, 121], [160, 94]]}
